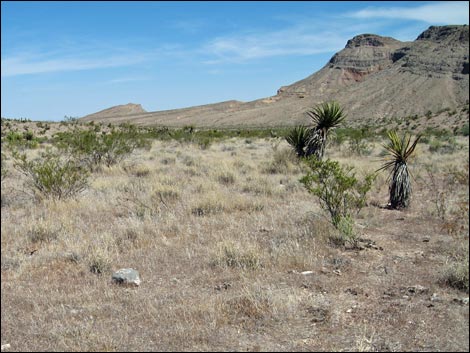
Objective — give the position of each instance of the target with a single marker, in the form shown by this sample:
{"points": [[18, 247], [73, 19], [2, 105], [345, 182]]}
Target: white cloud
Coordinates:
{"points": [[299, 40], [448, 12], [128, 79], [32, 64]]}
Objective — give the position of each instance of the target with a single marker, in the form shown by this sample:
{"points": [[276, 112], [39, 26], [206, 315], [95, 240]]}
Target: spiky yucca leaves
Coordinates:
{"points": [[326, 116], [400, 150], [298, 138]]}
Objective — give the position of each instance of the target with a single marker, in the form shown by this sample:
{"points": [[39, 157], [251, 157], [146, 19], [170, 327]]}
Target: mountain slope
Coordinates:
{"points": [[373, 78]]}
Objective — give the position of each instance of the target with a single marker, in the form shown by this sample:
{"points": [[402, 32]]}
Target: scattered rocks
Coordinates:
{"points": [[224, 286], [127, 277], [463, 301], [351, 291], [416, 290]]}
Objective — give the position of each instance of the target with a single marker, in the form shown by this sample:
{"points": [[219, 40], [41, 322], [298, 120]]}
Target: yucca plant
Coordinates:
{"points": [[400, 149], [298, 138], [326, 117]]}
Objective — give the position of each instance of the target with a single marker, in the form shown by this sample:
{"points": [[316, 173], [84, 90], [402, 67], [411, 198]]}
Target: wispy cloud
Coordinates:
{"points": [[448, 12], [23, 64], [297, 40], [127, 79]]}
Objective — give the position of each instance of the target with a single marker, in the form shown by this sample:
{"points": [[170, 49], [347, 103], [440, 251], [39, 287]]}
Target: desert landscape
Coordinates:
{"points": [[234, 252]]}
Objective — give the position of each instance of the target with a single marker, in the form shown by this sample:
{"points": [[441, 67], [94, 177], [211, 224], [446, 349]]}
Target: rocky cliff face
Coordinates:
{"points": [[364, 54], [380, 76], [438, 51]]}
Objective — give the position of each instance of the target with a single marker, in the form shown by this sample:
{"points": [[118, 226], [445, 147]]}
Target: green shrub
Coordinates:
{"points": [[94, 148], [15, 140], [52, 176], [464, 130], [337, 188]]}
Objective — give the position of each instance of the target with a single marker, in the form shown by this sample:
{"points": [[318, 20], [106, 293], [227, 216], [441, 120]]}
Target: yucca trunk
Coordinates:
{"points": [[400, 186], [316, 144]]}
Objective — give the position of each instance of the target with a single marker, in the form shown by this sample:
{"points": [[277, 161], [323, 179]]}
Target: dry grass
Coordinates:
{"points": [[221, 237]]}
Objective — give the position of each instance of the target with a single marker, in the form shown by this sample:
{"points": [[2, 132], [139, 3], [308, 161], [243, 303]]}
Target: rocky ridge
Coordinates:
{"points": [[373, 77]]}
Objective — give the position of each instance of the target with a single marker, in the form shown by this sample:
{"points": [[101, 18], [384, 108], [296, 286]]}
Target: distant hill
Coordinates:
{"points": [[374, 78], [117, 111]]}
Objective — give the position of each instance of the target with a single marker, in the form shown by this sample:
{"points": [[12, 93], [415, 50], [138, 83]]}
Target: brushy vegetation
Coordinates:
{"points": [[94, 148], [52, 175], [232, 248], [338, 190]]}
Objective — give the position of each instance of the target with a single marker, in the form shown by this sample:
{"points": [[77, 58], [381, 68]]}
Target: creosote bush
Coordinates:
{"points": [[338, 190], [94, 148], [52, 175]]}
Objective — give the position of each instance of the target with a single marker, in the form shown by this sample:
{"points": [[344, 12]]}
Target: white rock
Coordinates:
{"points": [[127, 276]]}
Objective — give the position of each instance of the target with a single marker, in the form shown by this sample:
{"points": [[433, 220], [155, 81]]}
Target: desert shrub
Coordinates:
{"points": [[358, 142], [455, 274], [337, 188], [443, 145], [51, 175], [16, 140], [95, 149]]}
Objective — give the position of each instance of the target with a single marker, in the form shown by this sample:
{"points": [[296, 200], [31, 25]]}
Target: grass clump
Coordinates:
{"points": [[231, 255], [456, 276]]}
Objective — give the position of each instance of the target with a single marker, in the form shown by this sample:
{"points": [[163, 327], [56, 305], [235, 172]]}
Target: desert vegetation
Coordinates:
{"points": [[242, 242]]}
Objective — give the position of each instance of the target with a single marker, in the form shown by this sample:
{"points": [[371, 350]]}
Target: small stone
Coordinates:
{"points": [[127, 277], [417, 289], [349, 311], [306, 273], [435, 298]]}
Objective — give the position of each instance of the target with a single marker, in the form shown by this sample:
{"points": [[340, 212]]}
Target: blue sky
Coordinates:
{"points": [[76, 58]]}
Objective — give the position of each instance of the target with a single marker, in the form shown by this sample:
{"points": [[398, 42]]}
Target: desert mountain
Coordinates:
{"points": [[373, 78], [117, 111]]}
